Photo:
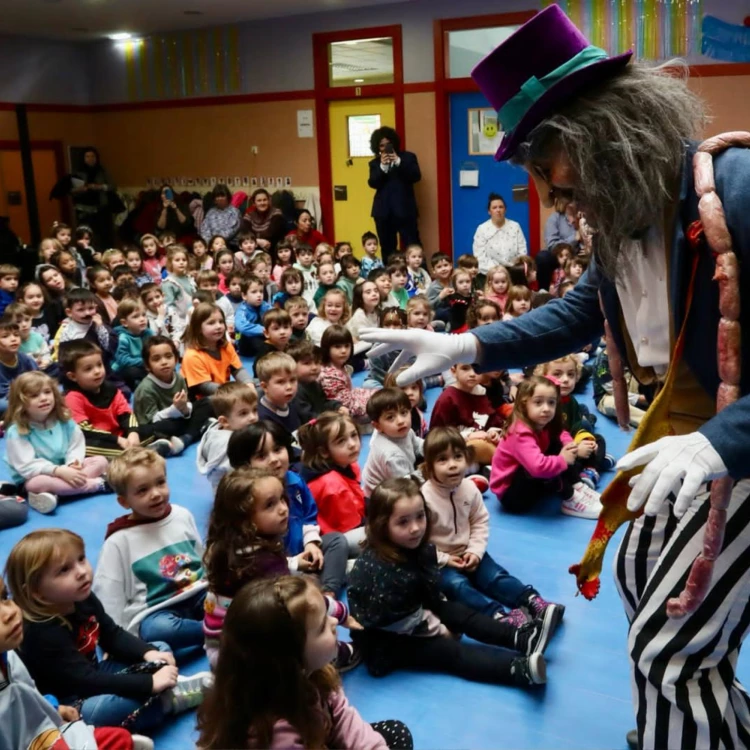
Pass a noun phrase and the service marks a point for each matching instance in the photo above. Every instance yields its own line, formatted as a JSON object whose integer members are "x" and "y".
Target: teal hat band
{"x": 513, "y": 111}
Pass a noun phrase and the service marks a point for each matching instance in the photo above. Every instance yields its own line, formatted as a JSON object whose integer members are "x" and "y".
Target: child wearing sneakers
{"x": 45, "y": 448}
{"x": 101, "y": 411}
{"x": 149, "y": 577}
{"x": 394, "y": 448}
{"x": 536, "y": 455}
{"x": 459, "y": 531}
{"x": 29, "y": 719}
{"x": 578, "y": 421}
{"x": 235, "y": 406}
{"x": 137, "y": 686}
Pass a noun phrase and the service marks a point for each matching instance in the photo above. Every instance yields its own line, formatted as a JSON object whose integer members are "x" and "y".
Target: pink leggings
{"x": 94, "y": 468}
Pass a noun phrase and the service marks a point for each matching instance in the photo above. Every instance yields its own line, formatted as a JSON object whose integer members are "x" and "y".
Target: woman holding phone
{"x": 392, "y": 175}
{"x": 172, "y": 216}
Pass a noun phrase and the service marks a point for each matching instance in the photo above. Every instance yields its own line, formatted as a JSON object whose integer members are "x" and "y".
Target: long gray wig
{"x": 626, "y": 140}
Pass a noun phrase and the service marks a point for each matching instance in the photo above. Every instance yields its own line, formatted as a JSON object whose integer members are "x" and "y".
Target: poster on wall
{"x": 485, "y": 135}
{"x": 305, "y": 128}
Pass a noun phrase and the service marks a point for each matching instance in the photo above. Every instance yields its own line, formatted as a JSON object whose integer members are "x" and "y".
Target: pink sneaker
{"x": 516, "y": 617}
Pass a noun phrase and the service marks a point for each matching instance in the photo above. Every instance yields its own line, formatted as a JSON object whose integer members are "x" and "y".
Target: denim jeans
{"x": 179, "y": 626}
{"x": 485, "y": 589}
{"x": 114, "y": 710}
{"x": 335, "y": 550}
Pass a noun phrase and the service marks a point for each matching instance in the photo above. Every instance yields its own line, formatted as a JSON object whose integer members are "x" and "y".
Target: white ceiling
{"x": 67, "y": 19}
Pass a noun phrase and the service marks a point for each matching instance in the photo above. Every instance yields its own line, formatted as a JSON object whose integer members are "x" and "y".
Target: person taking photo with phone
{"x": 172, "y": 216}
{"x": 392, "y": 175}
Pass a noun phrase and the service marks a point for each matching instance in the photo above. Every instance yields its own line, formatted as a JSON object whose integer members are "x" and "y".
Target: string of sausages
{"x": 729, "y": 341}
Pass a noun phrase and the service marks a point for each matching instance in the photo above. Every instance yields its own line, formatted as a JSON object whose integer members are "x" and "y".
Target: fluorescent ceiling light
{"x": 120, "y": 36}
{"x": 359, "y": 80}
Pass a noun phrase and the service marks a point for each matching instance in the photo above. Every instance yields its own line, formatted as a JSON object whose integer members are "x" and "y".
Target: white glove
{"x": 435, "y": 352}
{"x": 690, "y": 458}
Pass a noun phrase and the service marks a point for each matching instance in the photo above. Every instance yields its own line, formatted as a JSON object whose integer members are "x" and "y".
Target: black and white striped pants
{"x": 683, "y": 671}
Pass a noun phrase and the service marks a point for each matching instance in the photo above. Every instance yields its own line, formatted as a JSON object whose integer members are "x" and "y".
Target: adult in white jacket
{"x": 498, "y": 241}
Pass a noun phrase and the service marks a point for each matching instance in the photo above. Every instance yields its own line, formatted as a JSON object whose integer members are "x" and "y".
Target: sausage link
{"x": 719, "y": 143}
{"x": 727, "y": 274}
{"x": 703, "y": 168}
{"x": 714, "y": 223}
{"x": 728, "y": 347}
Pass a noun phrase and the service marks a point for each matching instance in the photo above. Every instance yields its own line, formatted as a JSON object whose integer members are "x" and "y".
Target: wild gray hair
{"x": 626, "y": 140}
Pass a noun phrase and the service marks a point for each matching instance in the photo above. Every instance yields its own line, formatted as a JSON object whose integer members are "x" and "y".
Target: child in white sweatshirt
{"x": 394, "y": 448}
{"x": 460, "y": 530}
{"x": 150, "y": 573}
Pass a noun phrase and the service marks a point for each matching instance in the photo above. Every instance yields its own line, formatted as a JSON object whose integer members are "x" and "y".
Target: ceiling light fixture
{"x": 359, "y": 80}
{"x": 120, "y": 36}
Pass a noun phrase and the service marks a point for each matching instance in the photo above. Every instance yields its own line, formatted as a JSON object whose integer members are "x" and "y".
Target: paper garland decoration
{"x": 653, "y": 29}
{"x": 725, "y": 41}
{"x": 183, "y": 64}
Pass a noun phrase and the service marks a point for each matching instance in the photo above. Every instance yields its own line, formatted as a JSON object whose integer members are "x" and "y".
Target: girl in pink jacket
{"x": 285, "y": 694}
{"x": 537, "y": 456}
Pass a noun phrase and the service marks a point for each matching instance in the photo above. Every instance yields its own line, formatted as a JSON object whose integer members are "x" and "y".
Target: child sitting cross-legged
{"x": 101, "y": 411}
{"x": 394, "y": 449}
{"x": 330, "y": 452}
{"x": 248, "y": 320}
{"x": 138, "y": 686}
{"x": 297, "y": 627}
{"x": 29, "y": 719}
{"x": 310, "y": 401}
{"x": 277, "y": 373}
{"x": 267, "y": 446}
{"x": 277, "y": 330}
{"x": 45, "y": 448}
{"x": 132, "y": 333}
{"x": 394, "y": 594}
{"x": 178, "y": 288}
{"x": 161, "y": 398}
{"x": 537, "y": 455}
{"x": 149, "y": 577}
{"x": 460, "y": 529}
{"x": 336, "y": 349}
{"x": 245, "y": 542}
{"x": 465, "y": 405}
{"x": 235, "y": 406}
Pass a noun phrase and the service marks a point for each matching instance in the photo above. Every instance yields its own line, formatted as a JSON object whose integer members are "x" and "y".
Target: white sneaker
{"x": 42, "y": 502}
{"x": 177, "y": 446}
{"x": 188, "y": 692}
{"x": 584, "y": 503}
{"x": 142, "y": 743}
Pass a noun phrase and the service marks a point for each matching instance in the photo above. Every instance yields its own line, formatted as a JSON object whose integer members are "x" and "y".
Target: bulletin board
{"x": 484, "y": 133}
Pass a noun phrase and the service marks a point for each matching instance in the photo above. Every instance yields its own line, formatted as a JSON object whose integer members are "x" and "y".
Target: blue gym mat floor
{"x": 586, "y": 702}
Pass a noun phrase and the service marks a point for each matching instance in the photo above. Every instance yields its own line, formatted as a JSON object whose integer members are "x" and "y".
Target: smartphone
{"x": 169, "y": 194}
{"x": 389, "y": 149}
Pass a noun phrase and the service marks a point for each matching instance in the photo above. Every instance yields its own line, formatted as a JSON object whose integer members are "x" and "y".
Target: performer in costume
{"x": 664, "y": 284}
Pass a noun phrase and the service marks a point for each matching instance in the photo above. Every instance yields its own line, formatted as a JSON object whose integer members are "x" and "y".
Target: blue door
{"x": 470, "y": 203}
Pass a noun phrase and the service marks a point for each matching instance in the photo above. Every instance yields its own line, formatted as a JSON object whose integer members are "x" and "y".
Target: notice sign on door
{"x": 305, "y": 127}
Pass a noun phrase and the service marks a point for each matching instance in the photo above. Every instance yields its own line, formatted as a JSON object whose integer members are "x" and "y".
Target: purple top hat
{"x": 542, "y": 65}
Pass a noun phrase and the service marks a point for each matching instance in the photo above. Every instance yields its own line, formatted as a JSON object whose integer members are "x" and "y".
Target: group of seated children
{"x": 407, "y": 534}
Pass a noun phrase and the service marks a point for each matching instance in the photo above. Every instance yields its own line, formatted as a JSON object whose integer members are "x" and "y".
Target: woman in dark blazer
{"x": 392, "y": 175}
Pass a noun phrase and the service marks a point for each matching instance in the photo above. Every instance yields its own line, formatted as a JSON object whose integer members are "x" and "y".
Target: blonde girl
{"x": 497, "y": 286}
{"x": 153, "y": 257}
{"x": 536, "y": 455}
{"x": 178, "y": 288}
{"x": 519, "y": 302}
{"x": 45, "y": 449}
{"x": 336, "y": 348}
{"x": 394, "y": 594}
{"x": 333, "y": 309}
{"x": 210, "y": 360}
{"x": 419, "y": 313}
{"x": 250, "y": 707}
{"x": 47, "y": 248}
{"x": 136, "y": 687}
{"x": 330, "y": 468}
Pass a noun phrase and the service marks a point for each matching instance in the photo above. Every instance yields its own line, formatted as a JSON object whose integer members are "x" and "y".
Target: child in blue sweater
{"x": 248, "y": 319}
{"x": 12, "y": 362}
{"x": 266, "y": 445}
{"x": 8, "y": 285}
{"x": 132, "y": 334}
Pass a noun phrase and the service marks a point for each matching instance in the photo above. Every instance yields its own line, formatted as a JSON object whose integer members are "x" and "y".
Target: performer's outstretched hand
{"x": 435, "y": 352}
{"x": 690, "y": 458}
